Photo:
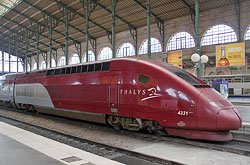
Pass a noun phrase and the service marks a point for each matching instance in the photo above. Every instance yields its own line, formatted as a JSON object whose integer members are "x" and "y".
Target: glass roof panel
{"x": 6, "y": 5}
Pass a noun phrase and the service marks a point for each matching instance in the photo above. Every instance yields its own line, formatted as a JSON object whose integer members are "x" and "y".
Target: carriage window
{"x": 91, "y": 68}
{"x": 98, "y": 67}
{"x": 143, "y": 78}
{"x": 63, "y": 71}
{"x": 73, "y": 70}
{"x": 105, "y": 66}
{"x": 79, "y": 69}
{"x": 68, "y": 70}
{"x": 84, "y": 68}
{"x": 50, "y": 72}
{"x": 58, "y": 71}
{"x": 184, "y": 76}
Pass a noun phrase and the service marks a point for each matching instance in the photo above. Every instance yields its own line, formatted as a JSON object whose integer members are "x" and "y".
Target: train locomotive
{"x": 129, "y": 93}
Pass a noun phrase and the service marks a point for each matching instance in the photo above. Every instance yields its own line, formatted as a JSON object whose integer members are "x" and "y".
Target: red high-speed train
{"x": 129, "y": 93}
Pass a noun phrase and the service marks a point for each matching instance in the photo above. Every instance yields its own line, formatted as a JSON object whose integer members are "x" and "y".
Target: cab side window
{"x": 143, "y": 78}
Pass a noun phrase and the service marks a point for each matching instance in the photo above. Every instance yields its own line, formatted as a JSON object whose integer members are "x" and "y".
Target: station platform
{"x": 25, "y": 148}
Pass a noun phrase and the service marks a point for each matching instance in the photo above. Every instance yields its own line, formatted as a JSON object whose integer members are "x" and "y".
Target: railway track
{"x": 107, "y": 151}
{"x": 237, "y": 145}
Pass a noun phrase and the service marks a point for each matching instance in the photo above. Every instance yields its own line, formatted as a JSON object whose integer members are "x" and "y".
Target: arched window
{"x": 53, "y": 63}
{"x": 219, "y": 34}
{"x": 28, "y": 68}
{"x": 126, "y": 50}
{"x": 211, "y": 73}
{"x": 91, "y": 56}
{"x": 20, "y": 65}
{"x": 181, "y": 40}
{"x": 105, "y": 53}
{"x": 247, "y": 35}
{"x": 34, "y": 67}
{"x": 75, "y": 59}
{"x": 155, "y": 46}
{"x": 62, "y": 61}
{"x": 43, "y": 65}
{"x": 220, "y": 73}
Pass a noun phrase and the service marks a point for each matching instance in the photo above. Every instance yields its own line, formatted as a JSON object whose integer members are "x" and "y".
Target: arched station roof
{"x": 28, "y": 22}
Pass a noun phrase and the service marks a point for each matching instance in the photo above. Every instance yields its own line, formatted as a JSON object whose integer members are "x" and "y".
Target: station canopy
{"x": 20, "y": 16}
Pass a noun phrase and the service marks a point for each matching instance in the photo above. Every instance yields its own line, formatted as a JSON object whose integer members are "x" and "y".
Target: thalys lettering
{"x": 132, "y": 92}
{"x": 149, "y": 93}
{"x": 166, "y": 100}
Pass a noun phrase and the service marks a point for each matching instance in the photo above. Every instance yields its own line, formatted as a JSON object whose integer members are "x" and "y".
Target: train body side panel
{"x": 7, "y": 88}
{"x": 164, "y": 97}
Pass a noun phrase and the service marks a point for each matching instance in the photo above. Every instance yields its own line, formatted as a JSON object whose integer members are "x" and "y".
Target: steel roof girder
{"x": 45, "y": 13}
{"x": 5, "y": 38}
{"x": 19, "y": 38}
{"x": 91, "y": 6}
{"x": 191, "y": 10}
{"x": 27, "y": 17}
{"x": 81, "y": 15}
{"x": 145, "y": 8}
{"x": 22, "y": 26}
{"x": 133, "y": 33}
{"x": 120, "y": 18}
{"x": 238, "y": 16}
{"x": 21, "y": 34}
{"x": 159, "y": 21}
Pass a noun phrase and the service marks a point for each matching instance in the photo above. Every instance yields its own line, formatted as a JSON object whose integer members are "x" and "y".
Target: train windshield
{"x": 182, "y": 74}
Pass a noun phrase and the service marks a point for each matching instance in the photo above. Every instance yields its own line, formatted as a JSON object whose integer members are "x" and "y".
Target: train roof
{"x": 122, "y": 63}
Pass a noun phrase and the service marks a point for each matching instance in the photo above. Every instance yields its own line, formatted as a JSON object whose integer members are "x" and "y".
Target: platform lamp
{"x": 196, "y": 58}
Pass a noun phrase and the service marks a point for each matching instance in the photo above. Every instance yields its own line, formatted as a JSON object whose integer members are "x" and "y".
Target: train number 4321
{"x": 182, "y": 113}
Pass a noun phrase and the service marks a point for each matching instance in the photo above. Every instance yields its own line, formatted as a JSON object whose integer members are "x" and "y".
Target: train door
{"x": 114, "y": 95}
{"x": 114, "y": 98}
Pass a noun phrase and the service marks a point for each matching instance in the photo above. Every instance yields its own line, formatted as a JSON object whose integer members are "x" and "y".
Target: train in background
{"x": 238, "y": 85}
{"x": 129, "y": 93}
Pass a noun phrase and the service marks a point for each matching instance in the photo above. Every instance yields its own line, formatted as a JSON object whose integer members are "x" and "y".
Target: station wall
{"x": 224, "y": 15}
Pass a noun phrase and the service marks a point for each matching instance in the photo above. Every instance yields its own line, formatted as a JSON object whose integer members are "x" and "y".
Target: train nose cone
{"x": 228, "y": 120}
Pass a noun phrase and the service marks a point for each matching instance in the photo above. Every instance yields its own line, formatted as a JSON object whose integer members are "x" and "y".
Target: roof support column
{"x": 26, "y": 52}
{"x": 133, "y": 33}
{"x": 160, "y": 25}
{"x": 44, "y": 55}
{"x": 197, "y": 34}
{"x": 88, "y": 7}
{"x": 54, "y": 54}
{"x": 237, "y": 12}
{"x": 16, "y": 46}
{"x": 50, "y": 42}
{"x": 87, "y": 29}
{"x": 2, "y": 59}
{"x": 37, "y": 46}
{"x": 113, "y": 6}
{"x": 9, "y": 46}
{"x": 79, "y": 51}
{"x": 66, "y": 51}
{"x": 93, "y": 44}
{"x": 149, "y": 29}
{"x": 51, "y": 23}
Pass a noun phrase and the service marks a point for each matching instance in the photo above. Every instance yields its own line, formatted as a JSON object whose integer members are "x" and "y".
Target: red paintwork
{"x": 89, "y": 92}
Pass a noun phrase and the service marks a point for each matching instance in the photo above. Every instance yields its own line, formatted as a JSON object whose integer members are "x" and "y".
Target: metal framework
{"x": 43, "y": 27}
{"x": 237, "y": 12}
{"x": 197, "y": 34}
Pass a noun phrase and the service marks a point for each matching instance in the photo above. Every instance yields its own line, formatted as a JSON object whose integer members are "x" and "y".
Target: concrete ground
{"x": 192, "y": 155}
{"x": 13, "y": 153}
{"x": 244, "y": 112}
{"x": 20, "y": 147}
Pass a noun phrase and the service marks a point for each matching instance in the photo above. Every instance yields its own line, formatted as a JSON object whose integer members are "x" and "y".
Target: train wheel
{"x": 157, "y": 129}
{"x": 117, "y": 126}
{"x": 115, "y": 122}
